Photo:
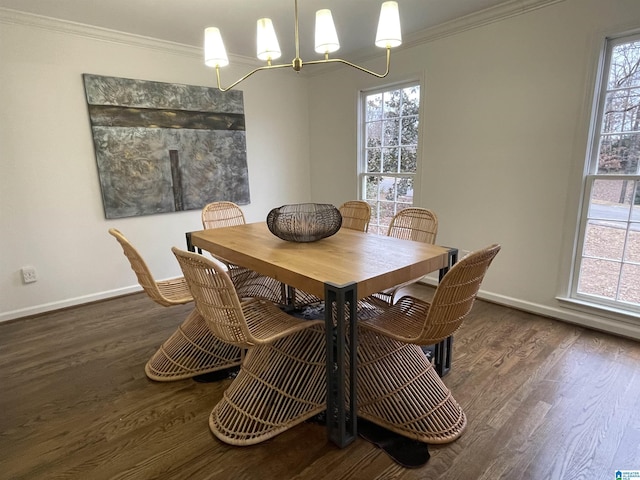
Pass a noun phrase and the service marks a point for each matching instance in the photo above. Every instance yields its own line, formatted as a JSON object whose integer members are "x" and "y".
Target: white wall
{"x": 51, "y": 214}
{"x": 506, "y": 113}
{"x": 505, "y": 119}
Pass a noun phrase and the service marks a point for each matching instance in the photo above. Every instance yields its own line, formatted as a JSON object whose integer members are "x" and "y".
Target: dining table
{"x": 341, "y": 270}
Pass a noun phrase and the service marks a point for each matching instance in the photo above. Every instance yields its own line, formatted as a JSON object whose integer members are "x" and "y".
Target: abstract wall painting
{"x": 163, "y": 147}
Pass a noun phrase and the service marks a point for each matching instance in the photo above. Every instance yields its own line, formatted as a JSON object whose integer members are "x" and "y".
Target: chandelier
{"x": 326, "y": 42}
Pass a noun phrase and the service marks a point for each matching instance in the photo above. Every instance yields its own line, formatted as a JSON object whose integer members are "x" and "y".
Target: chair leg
{"x": 192, "y": 350}
{"x": 399, "y": 389}
{"x": 279, "y": 386}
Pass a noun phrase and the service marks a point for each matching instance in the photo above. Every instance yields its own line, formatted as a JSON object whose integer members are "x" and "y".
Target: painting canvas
{"x": 164, "y": 147}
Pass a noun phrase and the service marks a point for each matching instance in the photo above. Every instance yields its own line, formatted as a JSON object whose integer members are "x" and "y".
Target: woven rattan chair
{"x": 248, "y": 283}
{"x": 398, "y": 387}
{"x": 281, "y": 381}
{"x": 413, "y": 223}
{"x": 222, "y": 214}
{"x": 166, "y": 292}
{"x": 356, "y": 215}
{"x": 191, "y": 350}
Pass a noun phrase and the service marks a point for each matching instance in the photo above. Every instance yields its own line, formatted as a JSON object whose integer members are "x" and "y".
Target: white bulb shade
{"x": 389, "y": 34}
{"x": 326, "y": 36}
{"x": 268, "y": 46}
{"x": 214, "y": 53}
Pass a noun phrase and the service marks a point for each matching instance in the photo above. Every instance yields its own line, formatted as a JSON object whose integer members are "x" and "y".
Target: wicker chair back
{"x": 414, "y": 223}
{"x": 166, "y": 292}
{"x": 356, "y": 215}
{"x": 222, "y": 214}
{"x": 215, "y": 296}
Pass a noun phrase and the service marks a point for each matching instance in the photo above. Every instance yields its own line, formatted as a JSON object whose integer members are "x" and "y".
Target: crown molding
{"x": 489, "y": 15}
{"x": 15, "y": 17}
{"x": 484, "y": 17}
{"x": 468, "y": 22}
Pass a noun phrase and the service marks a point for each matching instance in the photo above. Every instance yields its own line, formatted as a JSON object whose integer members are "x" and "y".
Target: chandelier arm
{"x": 362, "y": 69}
{"x": 265, "y": 67}
{"x": 392, "y": 39}
{"x": 296, "y": 36}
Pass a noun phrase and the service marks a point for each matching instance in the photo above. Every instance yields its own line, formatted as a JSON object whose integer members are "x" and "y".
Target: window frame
{"x": 591, "y": 175}
{"x": 361, "y": 173}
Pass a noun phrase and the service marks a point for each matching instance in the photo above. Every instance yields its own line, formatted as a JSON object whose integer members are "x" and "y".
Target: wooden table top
{"x": 374, "y": 262}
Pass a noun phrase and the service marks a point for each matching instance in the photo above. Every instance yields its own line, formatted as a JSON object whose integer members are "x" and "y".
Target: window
{"x": 607, "y": 270}
{"x": 389, "y": 153}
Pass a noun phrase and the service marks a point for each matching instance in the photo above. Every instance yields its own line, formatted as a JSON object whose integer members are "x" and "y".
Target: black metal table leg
{"x": 190, "y": 245}
{"x": 444, "y": 350}
{"x": 340, "y": 304}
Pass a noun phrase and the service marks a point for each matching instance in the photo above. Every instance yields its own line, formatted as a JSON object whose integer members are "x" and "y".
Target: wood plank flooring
{"x": 544, "y": 400}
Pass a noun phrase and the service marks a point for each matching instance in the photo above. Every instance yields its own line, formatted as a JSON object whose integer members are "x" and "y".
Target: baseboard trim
{"x": 70, "y": 302}
{"x": 616, "y": 326}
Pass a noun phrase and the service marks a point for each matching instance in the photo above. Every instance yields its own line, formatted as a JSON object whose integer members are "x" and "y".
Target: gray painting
{"x": 164, "y": 147}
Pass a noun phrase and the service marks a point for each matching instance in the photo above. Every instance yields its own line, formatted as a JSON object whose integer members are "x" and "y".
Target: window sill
{"x": 610, "y": 312}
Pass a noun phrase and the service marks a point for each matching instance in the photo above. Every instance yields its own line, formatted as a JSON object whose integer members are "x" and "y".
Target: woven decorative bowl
{"x": 304, "y": 222}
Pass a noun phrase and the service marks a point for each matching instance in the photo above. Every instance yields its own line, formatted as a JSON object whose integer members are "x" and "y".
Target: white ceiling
{"x": 183, "y": 21}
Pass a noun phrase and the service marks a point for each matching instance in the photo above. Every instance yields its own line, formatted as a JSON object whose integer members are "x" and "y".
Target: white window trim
{"x": 573, "y": 299}
{"x": 361, "y": 147}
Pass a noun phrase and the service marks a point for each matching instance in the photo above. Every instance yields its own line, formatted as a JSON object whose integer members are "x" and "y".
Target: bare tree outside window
{"x": 387, "y": 171}
{"x": 608, "y": 264}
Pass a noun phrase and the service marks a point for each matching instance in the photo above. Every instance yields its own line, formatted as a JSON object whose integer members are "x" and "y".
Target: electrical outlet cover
{"x": 29, "y": 274}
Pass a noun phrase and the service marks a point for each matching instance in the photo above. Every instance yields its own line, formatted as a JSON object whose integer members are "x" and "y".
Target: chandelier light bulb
{"x": 389, "y": 35}
{"x": 268, "y": 46}
{"x": 326, "y": 35}
{"x": 215, "y": 54}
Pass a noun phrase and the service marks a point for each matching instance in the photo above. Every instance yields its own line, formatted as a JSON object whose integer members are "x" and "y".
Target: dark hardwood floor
{"x": 544, "y": 400}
